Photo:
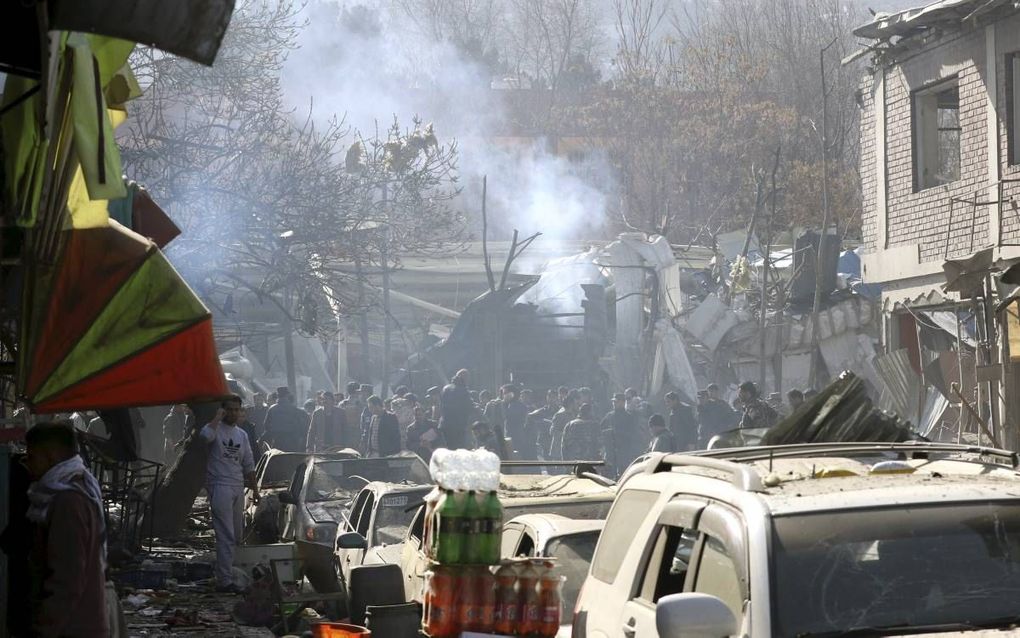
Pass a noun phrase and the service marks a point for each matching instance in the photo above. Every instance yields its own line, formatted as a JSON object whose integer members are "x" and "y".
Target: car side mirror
{"x": 287, "y": 498}
{"x": 693, "y": 614}
{"x": 351, "y": 540}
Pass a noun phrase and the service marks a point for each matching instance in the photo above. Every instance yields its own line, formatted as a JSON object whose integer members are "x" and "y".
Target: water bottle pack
{"x": 464, "y": 518}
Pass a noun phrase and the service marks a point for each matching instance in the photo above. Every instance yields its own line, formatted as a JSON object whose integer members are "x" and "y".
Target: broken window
{"x": 1013, "y": 106}
{"x": 936, "y": 134}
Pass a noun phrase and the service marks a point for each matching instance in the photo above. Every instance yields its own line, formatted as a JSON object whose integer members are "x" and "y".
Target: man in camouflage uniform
{"x": 581, "y": 437}
{"x": 757, "y": 413}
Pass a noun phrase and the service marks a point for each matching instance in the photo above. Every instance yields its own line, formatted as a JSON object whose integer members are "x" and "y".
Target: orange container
{"x": 338, "y": 630}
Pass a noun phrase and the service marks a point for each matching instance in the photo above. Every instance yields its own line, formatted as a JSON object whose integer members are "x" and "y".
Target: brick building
{"x": 940, "y": 169}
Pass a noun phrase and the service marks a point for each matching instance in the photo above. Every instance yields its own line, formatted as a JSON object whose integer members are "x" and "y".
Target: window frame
{"x": 1012, "y": 67}
{"x": 919, "y": 131}
{"x": 601, "y": 565}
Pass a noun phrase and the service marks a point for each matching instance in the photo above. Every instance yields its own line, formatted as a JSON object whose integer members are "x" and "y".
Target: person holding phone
{"x": 229, "y": 467}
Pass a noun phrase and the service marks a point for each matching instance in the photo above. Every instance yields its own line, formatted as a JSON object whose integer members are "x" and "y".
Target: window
{"x": 668, "y": 565}
{"x": 717, "y": 575}
{"x": 628, "y": 512}
{"x": 1013, "y": 106}
{"x": 936, "y": 135}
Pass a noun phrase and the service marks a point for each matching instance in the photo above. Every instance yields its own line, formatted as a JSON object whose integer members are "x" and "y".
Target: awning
{"x": 114, "y": 325}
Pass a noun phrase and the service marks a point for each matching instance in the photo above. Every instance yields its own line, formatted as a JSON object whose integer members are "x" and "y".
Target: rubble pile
{"x": 841, "y": 412}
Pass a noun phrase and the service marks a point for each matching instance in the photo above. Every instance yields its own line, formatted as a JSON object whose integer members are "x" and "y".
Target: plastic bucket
{"x": 338, "y": 630}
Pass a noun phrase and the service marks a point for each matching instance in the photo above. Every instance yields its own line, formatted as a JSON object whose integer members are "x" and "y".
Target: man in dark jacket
{"x": 286, "y": 426}
{"x": 383, "y": 436}
{"x": 69, "y": 556}
{"x": 514, "y": 416}
{"x": 662, "y": 438}
{"x": 455, "y": 411}
{"x": 565, "y": 415}
{"x": 423, "y": 437}
{"x": 622, "y": 439}
{"x": 328, "y": 427}
{"x": 682, "y": 423}
{"x": 757, "y": 413}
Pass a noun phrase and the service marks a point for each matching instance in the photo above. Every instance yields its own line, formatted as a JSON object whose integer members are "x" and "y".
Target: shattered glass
{"x": 851, "y": 571}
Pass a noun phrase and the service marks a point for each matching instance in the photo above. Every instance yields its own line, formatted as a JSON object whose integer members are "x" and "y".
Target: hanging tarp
{"x": 118, "y": 327}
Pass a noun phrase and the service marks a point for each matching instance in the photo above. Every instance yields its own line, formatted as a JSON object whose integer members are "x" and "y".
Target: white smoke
{"x": 372, "y": 65}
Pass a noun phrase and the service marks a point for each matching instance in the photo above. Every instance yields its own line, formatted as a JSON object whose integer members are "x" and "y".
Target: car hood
{"x": 327, "y": 511}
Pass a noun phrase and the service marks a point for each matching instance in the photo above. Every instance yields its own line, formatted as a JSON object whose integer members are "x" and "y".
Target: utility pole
{"x": 821, "y": 254}
{"x": 384, "y": 258}
{"x": 763, "y": 310}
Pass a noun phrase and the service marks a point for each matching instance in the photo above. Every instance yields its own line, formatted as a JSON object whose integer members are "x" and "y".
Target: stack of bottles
{"x": 521, "y": 597}
{"x": 464, "y": 518}
{"x": 468, "y": 588}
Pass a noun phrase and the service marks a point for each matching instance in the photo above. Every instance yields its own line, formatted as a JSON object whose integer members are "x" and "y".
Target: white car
{"x": 569, "y": 541}
{"x": 818, "y": 540}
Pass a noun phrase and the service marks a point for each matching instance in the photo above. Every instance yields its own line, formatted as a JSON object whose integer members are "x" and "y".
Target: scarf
{"x": 64, "y": 476}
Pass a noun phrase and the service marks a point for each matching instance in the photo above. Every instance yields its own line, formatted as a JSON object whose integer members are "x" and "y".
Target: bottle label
{"x": 471, "y": 525}
{"x": 450, "y": 524}
{"x": 550, "y": 614}
{"x": 488, "y": 526}
{"x": 531, "y": 613}
{"x": 507, "y": 612}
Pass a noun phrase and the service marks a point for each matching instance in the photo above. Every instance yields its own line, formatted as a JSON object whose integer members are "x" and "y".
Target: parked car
{"x": 319, "y": 499}
{"x": 273, "y": 474}
{"x": 377, "y": 525}
{"x": 570, "y": 542}
{"x": 809, "y": 540}
{"x": 583, "y": 497}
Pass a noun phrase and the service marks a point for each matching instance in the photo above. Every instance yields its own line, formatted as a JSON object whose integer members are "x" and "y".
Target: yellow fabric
{"x": 85, "y": 212}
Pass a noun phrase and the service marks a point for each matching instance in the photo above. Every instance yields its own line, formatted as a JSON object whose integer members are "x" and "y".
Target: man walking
{"x": 537, "y": 427}
{"x": 455, "y": 410}
{"x": 286, "y": 426}
{"x": 383, "y": 436}
{"x": 757, "y": 413}
{"x": 69, "y": 557}
{"x": 228, "y": 468}
{"x": 515, "y": 414}
{"x": 682, "y": 423}
{"x": 565, "y": 415}
{"x": 328, "y": 426}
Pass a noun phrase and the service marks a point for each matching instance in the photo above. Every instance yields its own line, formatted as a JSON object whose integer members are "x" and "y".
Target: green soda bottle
{"x": 450, "y": 539}
{"x": 492, "y": 529}
{"x": 472, "y": 527}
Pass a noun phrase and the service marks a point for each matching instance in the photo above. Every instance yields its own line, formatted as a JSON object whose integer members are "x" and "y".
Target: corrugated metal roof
{"x": 910, "y": 21}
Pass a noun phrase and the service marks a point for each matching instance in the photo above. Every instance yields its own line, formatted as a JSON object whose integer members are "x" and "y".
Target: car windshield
{"x": 906, "y": 566}
{"x": 394, "y": 515}
{"x": 332, "y": 480}
{"x": 280, "y": 468}
{"x": 573, "y": 556}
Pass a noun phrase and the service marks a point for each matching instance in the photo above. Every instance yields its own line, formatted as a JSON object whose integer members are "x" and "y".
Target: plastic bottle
{"x": 440, "y": 603}
{"x": 550, "y": 600}
{"x": 527, "y": 597}
{"x": 480, "y": 616}
{"x": 450, "y": 537}
{"x": 469, "y": 603}
{"x": 491, "y": 534}
{"x": 507, "y": 605}
{"x": 471, "y": 526}
{"x": 429, "y": 536}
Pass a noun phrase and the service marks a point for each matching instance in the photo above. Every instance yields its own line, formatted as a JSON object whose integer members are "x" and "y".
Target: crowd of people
{"x": 558, "y": 424}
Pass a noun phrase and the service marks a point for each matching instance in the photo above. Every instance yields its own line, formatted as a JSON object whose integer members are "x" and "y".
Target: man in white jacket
{"x": 229, "y": 467}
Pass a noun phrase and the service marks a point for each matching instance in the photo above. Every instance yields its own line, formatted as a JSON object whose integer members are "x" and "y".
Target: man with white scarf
{"x": 229, "y": 467}
{"x": 69, "y": 557}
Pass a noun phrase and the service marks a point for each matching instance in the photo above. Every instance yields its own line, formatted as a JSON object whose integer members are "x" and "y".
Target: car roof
{"x": 862, "y": 475}
{"x": 549, "y": 526}
{"x": 556, "y": 486}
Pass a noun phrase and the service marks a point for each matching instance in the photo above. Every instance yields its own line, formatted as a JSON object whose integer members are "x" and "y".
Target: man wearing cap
{"x": 286, "y": 426}
{"x": 455, "y": 410}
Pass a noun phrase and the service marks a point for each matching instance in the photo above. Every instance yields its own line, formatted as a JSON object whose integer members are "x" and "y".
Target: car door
{"x": 361, "y": 519}
{"x": 289, "y": 518}
{"x": 666, "y": 570}
{"x": 412, "y": 558}
{"x": 722, "y": 563}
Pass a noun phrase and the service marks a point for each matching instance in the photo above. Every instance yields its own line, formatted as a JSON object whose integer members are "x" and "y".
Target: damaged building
{"x": 940, "y": 167}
